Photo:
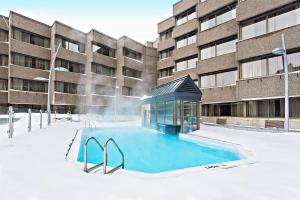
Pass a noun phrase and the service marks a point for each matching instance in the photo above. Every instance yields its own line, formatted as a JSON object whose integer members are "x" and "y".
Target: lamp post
{"x": 52, "y": 68}
{"x": 115, "y": 102}
{"x": 282, "y": 52}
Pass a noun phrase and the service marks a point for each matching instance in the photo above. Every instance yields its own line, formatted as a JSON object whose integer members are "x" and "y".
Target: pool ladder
{"x": 105, "y": 156}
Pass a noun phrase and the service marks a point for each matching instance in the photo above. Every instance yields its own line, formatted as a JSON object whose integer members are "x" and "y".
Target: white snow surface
{"x": 33, "y": 167}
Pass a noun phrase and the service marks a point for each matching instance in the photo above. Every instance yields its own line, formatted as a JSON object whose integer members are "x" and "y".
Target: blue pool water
{"x": 149, "y": 151}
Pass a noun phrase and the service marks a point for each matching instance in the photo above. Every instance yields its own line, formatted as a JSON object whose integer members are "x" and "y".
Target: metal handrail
{"x": 86, "y": 169}
{"x": 105, "y": 171}
{"x": 71, "y": 144}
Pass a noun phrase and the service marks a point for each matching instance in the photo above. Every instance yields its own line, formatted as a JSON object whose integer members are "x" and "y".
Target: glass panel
{"x": 227, "y": 78}
{"x": 226, "y": 17}
{"x": 284, "y": 20}
{"x": 169, "y": 112}
{"x": 275, "y": 65}
{"x": 161, "y": 113}
{"x": 180, "y": 66}
{"x": 254, "y": 30}
{"x": 192, "y": 63}
{"x": 208, "y": 81}
{"x": 208, "y": 52}
{"x": 208, "y": 24}
{"x": 294, "y": 62}
{"x": 227, "y": 47}
{"x": 254, "y": 69}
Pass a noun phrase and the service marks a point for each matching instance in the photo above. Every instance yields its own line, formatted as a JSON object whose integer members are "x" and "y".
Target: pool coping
{"x": 246, "y": 154}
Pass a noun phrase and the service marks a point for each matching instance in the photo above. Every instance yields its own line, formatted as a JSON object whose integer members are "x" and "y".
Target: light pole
{"x": 282, "y": 52}
{"x": 52, "y": 68}
{"x": 49, "y": 84}
{"x": 115, "y": 106}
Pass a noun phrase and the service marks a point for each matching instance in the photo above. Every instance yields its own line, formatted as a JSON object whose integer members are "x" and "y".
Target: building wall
{"x": 62, "y": 100}
{"x": 244, "y": 91}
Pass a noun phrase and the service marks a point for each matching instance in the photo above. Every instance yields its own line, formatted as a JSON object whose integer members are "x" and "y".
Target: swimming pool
{"x": 149, "y": 151}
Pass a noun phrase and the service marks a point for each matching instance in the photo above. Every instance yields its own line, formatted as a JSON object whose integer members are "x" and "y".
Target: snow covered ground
{"x": 33, "y": 167}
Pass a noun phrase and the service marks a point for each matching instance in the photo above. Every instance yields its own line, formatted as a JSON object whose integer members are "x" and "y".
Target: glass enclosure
{"x": 170, "y": 113}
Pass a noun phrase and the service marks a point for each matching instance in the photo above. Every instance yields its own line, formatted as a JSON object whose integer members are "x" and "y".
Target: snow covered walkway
{"x": 32, "y": 167}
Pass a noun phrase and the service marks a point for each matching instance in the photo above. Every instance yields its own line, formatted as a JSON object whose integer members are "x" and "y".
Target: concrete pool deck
{"x": 33, "y": 167}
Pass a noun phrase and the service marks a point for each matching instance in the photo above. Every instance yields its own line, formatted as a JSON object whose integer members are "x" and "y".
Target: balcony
{"x": 23, "y": 97}
{"x": 69, "y": 77}
{"x": 219, "y": 95}
{"x": 132, "y": 82}
{"x": 218, "y": 63}
{"x": 264, "y": 44}
{"x": 104, "y": 60}
{"x": 131, "y": 63}
{"x": 186, "y": 51}
{"x": 30, "y": 49}
{"x": 69, "y": 99}
{"x": 72, "y": 56}
{"x": 183, "y": 5}
{"x": 251, "y": 8}
{"x": 185, "y": 28}
{"x": 27, "y": 73}
{"x": 68, "y": 32}
{"x": 221, "y": 31}
{"x": 103, "y": 80}
{"x": 266, "y": 87}
{"x": 98, "y": 100}
{"x": 30, "y": 25}
{"x": 166, "y": 44}
{"x": 166, "y": 24}
{"x": 210, "y": 6}
{"x": 165, "y": 63}
{"x": 130, "y": 44}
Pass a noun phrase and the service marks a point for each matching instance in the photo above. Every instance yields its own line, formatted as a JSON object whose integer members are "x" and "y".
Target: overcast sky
{"x": 135, "y": 18}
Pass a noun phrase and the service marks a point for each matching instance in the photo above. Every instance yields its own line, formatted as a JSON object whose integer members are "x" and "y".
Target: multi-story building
{"x": 93, "y": 71}
{"x": 226, "y": 46}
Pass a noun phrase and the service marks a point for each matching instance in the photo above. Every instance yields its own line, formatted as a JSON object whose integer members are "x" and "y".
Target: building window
{"x": 31, "y": 62}
{"x": 3, "y": 60}
{"x": 69, "y": 88}
{"x": 166, "y": 72}
{"x": 3, "y": 35}
{"x": 219, "y": 79}
{"x": 103, "y": 70}
{"x": 221, "y": 16}
{"x": 269, "y": 66}
{"x": 29, "y": 85}
{"x": 3, "y": 84}
{"x": 71, "y": 66}
{"x": 186, "y": 16}
{"x": 104, "y": 50}
{"x": 186, "y": 40}
{"x": 132, "y": 54}
{"x": 132, "y": 73}
{"x": 31, "y": 38}
{"x": 166, "y": 53}
{"x": 103, "y": 90}
{"x": 186, "y": 64}
{"x": 70, "y": 45}
{"x": 219, "y": 48}
{"x": 166, "y": 35}
{"x": 277, "y": 20}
